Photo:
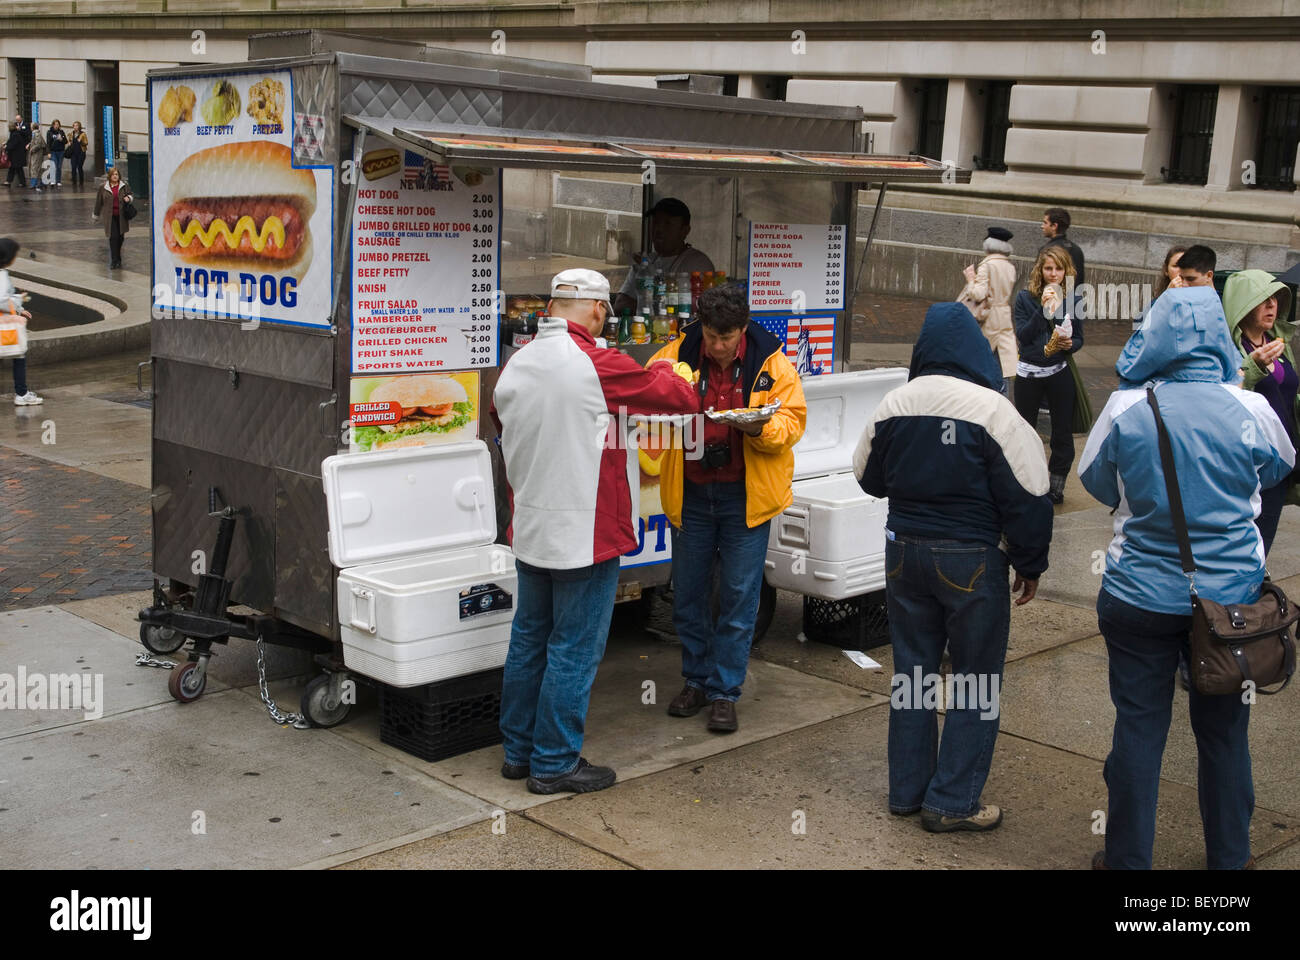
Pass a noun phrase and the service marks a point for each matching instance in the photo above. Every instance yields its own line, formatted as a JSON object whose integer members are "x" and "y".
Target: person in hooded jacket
{"x": 962, "y": 470}
{"x": 1256, "y": 307}
{"x": 1228, "y": 446}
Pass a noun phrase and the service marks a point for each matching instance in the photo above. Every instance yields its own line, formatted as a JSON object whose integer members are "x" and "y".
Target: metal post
{"x": 866, "y": 252}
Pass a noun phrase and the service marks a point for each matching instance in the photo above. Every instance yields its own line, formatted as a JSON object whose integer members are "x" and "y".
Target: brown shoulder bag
{"x": 1237, "y": 644}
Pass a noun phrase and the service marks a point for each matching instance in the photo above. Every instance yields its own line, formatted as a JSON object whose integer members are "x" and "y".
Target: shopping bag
{"x": 13, "y": 336}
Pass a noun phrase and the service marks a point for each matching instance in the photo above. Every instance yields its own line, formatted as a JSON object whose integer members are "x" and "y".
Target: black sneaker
{"x": 513, "y": 771}
{"x": 584, "y": 779}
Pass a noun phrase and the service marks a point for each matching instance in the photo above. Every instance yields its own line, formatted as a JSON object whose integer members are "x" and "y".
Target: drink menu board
{"x": 425, "y": 262}
{"x": 796, "y": 266}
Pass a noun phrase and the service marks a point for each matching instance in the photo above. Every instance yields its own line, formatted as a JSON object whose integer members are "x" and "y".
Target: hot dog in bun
{"x": 241, "y": 206}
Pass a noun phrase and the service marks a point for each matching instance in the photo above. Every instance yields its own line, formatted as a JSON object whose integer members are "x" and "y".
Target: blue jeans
{"x": 558, "y": 637}
{"x": 941, "y": 593}
{"x": 20, "y": 376}
{"x": 715, "y": 656}
{"x": 1143, "y": 649}
{"x": 58, "y": 166}
{"x": 1271, "y": 503}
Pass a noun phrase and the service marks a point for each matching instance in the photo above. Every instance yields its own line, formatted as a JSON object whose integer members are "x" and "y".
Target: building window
{"x": 1189, "y": 155}
{"x": 24, "y": 72}
{"x": 934, "y": 104}
{"x": 1279, "y": 133}
{"x": 997, "y": 121}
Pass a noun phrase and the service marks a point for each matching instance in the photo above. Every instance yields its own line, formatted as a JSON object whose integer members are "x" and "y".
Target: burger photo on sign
{"x": 240, "y": 207}
{"x": 434, "y": 409}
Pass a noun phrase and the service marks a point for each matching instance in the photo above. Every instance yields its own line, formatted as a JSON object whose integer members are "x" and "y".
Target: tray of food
{"x": 745, "y": 416}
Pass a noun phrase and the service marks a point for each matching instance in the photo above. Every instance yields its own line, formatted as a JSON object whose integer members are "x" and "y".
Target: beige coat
{"x": 994, "y": 278}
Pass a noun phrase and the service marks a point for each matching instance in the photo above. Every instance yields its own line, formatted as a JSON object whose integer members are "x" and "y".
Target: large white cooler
{"x": 830, "y": 542}
{"x": 423, "y": 592}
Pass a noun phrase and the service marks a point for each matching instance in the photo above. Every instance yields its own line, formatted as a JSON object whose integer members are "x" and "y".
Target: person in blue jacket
{"x": 962, "y": 470}
{"x": 1228, "y": 446}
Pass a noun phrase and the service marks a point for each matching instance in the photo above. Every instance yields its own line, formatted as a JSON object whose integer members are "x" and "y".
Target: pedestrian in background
{"x": 115, "y": 195}
{"x": 988, "y": 296}
{"x": 38, "y": 151}
{"x": 1048, "y": 330}
{"x": 962, "y": 471}
{"x": 57, "y": 139}
{"x": 1056, "y": 221}
{"x": 1257, "y": 308}
{"x": 16, "y": 151}
{"x": 722, "y": 503}
{"x": 1166, "y": 278}
{"x": 11, "y": 311}
{"x": 77, "y": 144}
{"x": 1144, "y": 607}
{"x": 560, "y": 404}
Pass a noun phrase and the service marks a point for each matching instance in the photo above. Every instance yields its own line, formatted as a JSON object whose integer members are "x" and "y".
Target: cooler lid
{"x": 839, "y": 406}
{"x": 402, "y": 503}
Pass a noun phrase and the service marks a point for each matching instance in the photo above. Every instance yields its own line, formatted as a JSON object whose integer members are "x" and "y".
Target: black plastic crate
{"x": 854, "y": 623}
{"x": 443, "y": 719}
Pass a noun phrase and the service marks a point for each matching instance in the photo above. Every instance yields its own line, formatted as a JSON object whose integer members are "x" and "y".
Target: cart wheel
{"x": 183, "y": 685}
{"x": 313, "y": 704}
{"x": 766, "y": 610}
{"x": 160, "y": 639}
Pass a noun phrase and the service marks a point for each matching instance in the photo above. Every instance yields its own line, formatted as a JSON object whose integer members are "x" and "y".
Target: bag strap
{"x": 1175, "y": 495}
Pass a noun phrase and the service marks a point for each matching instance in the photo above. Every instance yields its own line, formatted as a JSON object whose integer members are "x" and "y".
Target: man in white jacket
{"x": 572, "y": 476}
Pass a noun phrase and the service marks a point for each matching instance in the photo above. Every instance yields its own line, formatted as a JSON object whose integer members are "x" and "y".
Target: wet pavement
{"x": 127, "y": 787}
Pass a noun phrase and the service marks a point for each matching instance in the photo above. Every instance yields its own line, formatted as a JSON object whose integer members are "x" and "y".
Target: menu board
{"x": 425, "y": 264}
{"x": 239, "y": 231}
{"x": 796, "y": 266}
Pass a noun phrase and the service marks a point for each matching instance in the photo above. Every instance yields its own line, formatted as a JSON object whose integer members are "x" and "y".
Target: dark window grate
{"x": 1279, "y": 134}
{"x": 1189, "y": 156}
{"x": 934, "y": 104}
{"x": 25, "y": 85}
{"x": 997, "y": 121}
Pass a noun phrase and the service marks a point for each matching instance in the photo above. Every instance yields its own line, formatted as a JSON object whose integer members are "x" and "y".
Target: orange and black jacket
{"x": 767, "y": 374}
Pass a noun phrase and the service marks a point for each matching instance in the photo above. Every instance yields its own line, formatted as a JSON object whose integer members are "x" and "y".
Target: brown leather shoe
{"x": 688, "y": 703}
{"x": 1099, "y": 860}
{"x": 722, "y": 716}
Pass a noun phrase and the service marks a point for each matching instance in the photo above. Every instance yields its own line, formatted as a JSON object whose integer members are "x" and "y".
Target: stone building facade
{"x": 1175, "y": 121}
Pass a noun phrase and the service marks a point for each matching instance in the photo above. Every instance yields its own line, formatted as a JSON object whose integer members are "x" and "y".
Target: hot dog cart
{"x": 344, "y": 231}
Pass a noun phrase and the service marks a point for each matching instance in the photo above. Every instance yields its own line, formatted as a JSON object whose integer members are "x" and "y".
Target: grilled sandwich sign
{"x": 239, "y": 231}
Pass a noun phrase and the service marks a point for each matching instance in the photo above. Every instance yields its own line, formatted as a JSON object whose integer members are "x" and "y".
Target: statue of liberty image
{"x": 804, "y": 362}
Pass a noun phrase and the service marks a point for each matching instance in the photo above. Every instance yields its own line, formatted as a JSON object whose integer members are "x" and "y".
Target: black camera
{"x": 716, "y": 455}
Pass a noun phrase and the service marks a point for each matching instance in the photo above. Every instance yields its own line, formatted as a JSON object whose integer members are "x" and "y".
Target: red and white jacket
{"x": 570, "y": 468}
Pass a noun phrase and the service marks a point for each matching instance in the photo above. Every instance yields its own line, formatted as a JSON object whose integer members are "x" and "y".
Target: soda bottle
{"x": 660, "y": 293}
{"x": 625, "y": 327}
{"x": 720, "y": 278}
{"x": 696, "y": 286}
{"x": 644, "y": 281}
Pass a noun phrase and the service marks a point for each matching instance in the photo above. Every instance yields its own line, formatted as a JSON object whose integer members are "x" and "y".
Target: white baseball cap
{"x": 587, "y": 285}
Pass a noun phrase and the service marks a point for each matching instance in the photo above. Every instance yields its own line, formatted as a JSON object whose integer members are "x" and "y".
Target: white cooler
{"x": 423, "y": 592}
{"x": 830, "y": 542}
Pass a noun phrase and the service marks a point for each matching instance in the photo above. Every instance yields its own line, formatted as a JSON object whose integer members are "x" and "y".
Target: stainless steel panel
{"x": 257, "y": 420}
{"x": 304, "y": 577}
{"x": 406, "y": 99}
{"x": 271, "y": 351}
{"x": 181, "y": 525}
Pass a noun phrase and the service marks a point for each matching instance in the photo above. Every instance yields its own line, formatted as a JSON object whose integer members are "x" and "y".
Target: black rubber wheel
{"x": 161, "y": 640}
{"x": 183, "y": 685}
{"x": 313, "y": 704}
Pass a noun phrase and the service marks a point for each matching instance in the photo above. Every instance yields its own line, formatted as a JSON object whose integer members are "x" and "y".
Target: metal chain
{"x": 297, "y": 720}
{"x": 144, "y": 660}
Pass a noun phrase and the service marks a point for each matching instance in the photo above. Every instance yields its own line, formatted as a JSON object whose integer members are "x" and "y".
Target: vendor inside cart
{"x": 670, "y": 224}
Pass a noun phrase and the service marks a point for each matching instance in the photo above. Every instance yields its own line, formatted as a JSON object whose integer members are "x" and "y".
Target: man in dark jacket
{"x": 1056, "y": 221}
{"x": 16, "y": 149}
{"x": 961, "y": 470}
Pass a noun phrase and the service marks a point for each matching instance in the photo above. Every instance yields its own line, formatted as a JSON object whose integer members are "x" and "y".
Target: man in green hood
{"x": 1256, "y": 307}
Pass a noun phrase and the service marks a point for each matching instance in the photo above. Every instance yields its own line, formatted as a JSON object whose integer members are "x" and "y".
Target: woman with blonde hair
{"x": 1048, "y": 330}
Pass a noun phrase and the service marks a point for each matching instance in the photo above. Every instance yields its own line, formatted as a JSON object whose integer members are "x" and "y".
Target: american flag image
{"x": 809, "y": 340}
{"x": 413, "y": 171}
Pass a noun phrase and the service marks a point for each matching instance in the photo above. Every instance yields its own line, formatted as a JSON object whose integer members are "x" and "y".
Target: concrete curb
{"x": 128, "y": 330}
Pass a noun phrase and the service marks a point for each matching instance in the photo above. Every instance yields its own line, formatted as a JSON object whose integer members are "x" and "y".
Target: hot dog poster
{"x": 239, "y": 231}
{"x": 425, "y": 263}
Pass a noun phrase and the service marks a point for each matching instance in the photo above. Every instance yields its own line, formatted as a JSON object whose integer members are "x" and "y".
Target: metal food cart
{"x": 245, "y": 410}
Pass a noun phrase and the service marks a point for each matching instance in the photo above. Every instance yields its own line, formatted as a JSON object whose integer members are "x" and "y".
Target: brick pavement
{"x": 67, "y": 534}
